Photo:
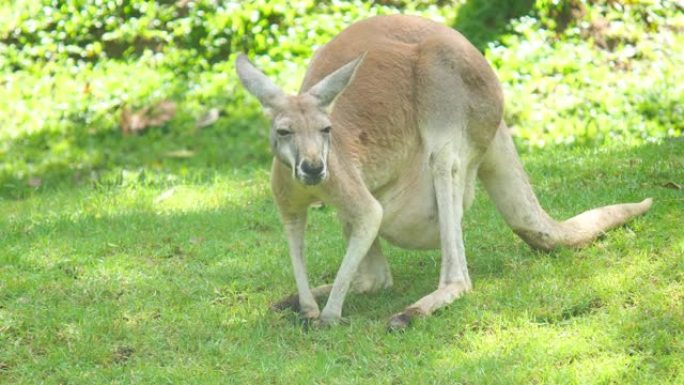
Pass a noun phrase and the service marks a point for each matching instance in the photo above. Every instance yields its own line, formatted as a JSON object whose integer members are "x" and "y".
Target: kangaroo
{"x": 395, "y": 119}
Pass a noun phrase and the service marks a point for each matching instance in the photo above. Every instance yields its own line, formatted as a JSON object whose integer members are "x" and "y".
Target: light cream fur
{"x": 415, "y": 115}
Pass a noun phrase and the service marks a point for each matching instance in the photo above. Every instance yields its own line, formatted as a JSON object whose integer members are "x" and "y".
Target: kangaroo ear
{"x": 332, "y": 85}
{"x": 258, "y": 84}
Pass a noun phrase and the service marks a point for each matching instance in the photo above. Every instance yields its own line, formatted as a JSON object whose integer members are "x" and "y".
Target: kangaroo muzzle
{"x": 311, "y": 172}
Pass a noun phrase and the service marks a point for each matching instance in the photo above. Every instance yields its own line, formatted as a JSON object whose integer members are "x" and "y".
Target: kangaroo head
{"x": 300, "y": 124}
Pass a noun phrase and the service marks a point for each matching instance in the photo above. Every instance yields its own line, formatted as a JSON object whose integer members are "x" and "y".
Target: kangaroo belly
{"x": 410, "y": 217}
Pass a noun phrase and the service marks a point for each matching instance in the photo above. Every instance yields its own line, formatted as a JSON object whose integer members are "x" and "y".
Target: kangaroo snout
{"x": 311, "y": 172}
{"x": 312, "y": 169}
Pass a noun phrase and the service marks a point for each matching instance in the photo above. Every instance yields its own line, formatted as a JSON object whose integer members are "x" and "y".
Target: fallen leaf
{"x": 673, "y": 185}
{"x": 126, "y": 120}
{"x": 34, "y": 181}
{"x": 182, "y": 154}
{"x": 165, "y": 195}
{"x": 209, "y": 118}
{"x": 161, "y": 113}
{"x": 156, "y": 115}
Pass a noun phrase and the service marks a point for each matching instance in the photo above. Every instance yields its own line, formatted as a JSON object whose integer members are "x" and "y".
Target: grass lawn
{"x": 155, "y": 275}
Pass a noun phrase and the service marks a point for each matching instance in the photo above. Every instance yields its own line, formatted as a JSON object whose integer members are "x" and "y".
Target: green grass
{"x": 127, "y": 282}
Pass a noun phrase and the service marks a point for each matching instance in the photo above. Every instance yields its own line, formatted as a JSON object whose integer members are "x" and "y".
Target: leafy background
{"x": 574, "y": 72}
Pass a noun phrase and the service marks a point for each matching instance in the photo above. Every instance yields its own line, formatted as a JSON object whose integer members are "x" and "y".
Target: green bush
{"x": 203, "y": 32}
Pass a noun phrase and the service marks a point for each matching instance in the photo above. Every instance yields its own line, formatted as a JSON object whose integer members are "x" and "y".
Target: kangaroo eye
{"x": 282, "y": 132}
{"x": 326, "y": 130}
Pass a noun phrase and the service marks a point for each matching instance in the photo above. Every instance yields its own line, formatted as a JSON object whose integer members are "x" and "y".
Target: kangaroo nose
{"x": 312, "y": 169}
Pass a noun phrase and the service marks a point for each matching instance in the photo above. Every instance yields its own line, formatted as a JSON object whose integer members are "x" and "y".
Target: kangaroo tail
{"x": 506, "y": 183}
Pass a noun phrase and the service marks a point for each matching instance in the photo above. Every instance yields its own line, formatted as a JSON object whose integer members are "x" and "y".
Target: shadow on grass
{"x": 70, "y": 155}
{"x": 603, "y": 177}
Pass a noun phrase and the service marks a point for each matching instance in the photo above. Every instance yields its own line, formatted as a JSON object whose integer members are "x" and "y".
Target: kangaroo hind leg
{"x": 292, "y": 301}
{"x": 444, "y": 122}
{"x": 373, "y": 273}
{"x": 449, "y": 179}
